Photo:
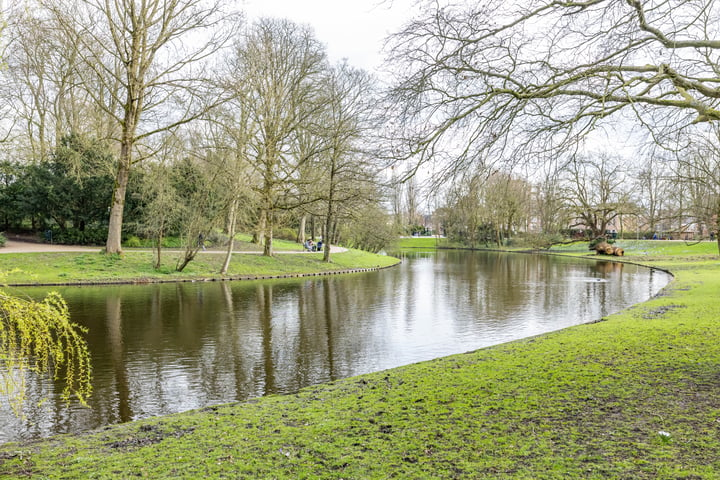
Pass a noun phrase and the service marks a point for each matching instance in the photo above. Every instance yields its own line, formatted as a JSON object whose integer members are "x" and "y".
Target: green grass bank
{"x": 136, "y": 265}
{"x": 425, "y": 243}
{"x": 633, "y": 396}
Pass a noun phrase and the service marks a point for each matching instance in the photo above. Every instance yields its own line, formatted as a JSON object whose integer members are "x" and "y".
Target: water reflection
{"x": 160, "y": 349}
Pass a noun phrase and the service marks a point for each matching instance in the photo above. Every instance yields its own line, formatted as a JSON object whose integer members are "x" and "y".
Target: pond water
{"x": 160, "y": 349}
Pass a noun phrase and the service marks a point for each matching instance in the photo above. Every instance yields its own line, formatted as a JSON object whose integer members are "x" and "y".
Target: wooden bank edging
{"x": 227, "y": 278}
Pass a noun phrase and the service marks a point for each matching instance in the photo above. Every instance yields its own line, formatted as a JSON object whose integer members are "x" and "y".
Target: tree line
{"x": 176, "y": 118}
{"x": 179, "y": 118}
{"x": 523, "y": 90}
{"x": 591, "y": 196}
{"x": 160, "y": 118}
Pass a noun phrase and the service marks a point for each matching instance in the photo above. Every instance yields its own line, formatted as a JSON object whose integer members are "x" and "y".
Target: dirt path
{"x": 18, "y": 246}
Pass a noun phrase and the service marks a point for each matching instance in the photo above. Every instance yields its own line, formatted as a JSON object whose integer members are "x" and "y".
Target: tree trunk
{"x": 717, "y": 225}
{"x": 114, "y": 238}
{"x": 232, "y": 217}
{"x": 335, "y": 238}
{"x": 267, "y": 248}
{"x": 301, "y": 230}
{"x": 158, "y": 248}
{"x": 259, "y": 233}
{"x": 133, "y": 106}
{"x": 189, "y": 256}
{"x": 327, "y": 234}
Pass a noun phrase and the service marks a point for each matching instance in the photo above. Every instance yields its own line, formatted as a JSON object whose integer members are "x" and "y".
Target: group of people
{"x": 310, "y": 246}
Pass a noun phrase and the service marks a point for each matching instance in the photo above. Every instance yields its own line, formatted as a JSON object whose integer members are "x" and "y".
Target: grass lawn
{"x": 425, "y": 243}
{"x": 634, "y": 396}
{"x": 136, "y": 265}
{"x": 650, "y": 249}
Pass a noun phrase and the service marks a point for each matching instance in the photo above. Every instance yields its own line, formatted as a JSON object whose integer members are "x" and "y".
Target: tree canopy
{"x": 490, "y": 80}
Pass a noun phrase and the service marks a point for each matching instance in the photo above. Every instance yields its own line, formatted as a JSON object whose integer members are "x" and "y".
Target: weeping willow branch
{"x": 39, "y": 338}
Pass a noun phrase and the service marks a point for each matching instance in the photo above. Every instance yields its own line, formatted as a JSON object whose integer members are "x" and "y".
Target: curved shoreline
{"x": 630, "y": 397}
{"x": 94, "y": 272}
{"x": 227, "y": 278}
{"x": 20, "y": 247}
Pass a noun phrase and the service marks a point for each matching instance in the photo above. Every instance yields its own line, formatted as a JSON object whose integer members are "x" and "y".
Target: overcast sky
{"x": 356, "y": 29}
{"x": 352, "y": 29}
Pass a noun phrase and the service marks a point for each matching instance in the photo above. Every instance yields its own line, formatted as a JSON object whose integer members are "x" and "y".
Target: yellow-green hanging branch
{"x": 39, "y": 337}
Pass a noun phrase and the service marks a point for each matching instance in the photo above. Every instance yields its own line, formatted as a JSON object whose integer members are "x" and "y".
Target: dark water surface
{"x": 159, "y": 349}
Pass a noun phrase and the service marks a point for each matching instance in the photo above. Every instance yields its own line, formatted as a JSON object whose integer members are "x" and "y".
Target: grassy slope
{"x": 30, "y": 268}
{"x": 425, "y": 242}
{"x": 586, "y": 402}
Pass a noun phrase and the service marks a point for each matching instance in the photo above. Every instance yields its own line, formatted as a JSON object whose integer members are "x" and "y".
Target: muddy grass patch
{"x": 148, "y": 435}
{"x": 659, "y": 312}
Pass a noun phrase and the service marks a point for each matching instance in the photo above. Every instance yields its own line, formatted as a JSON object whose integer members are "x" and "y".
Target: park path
{"x": 20, "y": 246}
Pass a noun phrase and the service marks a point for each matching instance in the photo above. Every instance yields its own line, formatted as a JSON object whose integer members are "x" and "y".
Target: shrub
{"x": 217, "y": 238}
{"x": 133, "y": 242}
{"x": 535, "y": 240}
{"x": 170, "y": 242}
{"x": 2, "y": 240}
{"x": 285, "y": 233}
{"x": 91, "y": 235}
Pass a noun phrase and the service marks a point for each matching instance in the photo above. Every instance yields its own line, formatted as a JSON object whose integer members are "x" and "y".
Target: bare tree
{"x": 308, "y": 183}
{"x": 412, "y": 197}
{"x": 162, "y": 210}
{"x": 229, "y": 134}
{"x": 370, "y": 227}
{"x": 479, "y": 82}
{"x": 654, "y": 188}
{"x": 462, "y": 215}
{"x": 141, "y": 54}
{"x": 27, "y": 81}
{"x": 484, "y": 206}
{"x": 396, "y": 197}
{"x": 281, "y": 64}
{"x": 346, "y": 117}
{"x": 506, "y": 204}
{"x": 42, "y": 81}
{"x": 597, "y": 191}
{"x": 699, "y": 169}
{"x": 203, "y": 200}
{"x": 550, "y": 210}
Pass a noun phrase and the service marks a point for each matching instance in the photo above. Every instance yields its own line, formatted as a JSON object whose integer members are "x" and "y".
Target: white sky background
{"x": 354, "y": 30}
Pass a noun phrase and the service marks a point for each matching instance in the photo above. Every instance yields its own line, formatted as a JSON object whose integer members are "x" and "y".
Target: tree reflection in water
{"x": 160, "y": 349}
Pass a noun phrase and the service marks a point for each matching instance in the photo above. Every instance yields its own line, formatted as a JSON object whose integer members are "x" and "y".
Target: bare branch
{"x": 498, "y": 80}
